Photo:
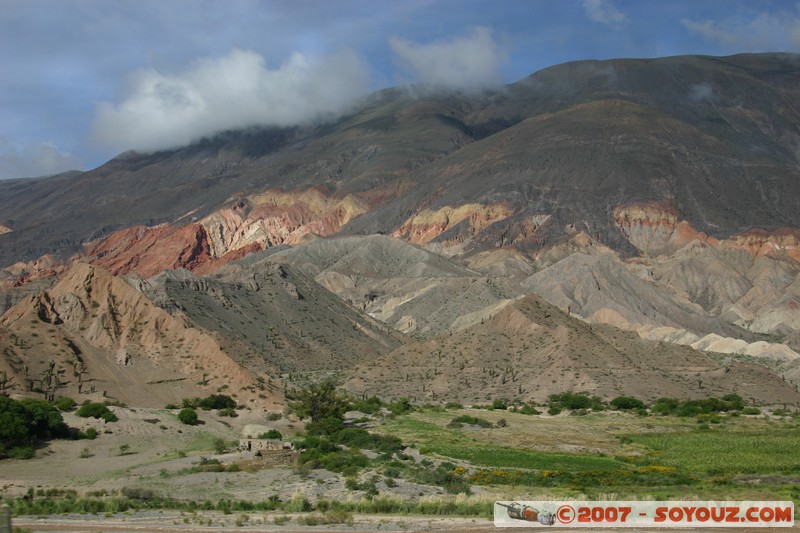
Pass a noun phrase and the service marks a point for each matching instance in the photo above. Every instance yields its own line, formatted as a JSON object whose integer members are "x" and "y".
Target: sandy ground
{"x": 185, "y": 523}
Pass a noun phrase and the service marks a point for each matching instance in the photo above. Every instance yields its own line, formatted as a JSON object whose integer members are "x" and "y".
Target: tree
{"x": 46, "y": 421}
{"x": 14, "y": 424}
{"x": 320, "y": 401}
{"x": 24, "y": 422}
{"x": 324, "y": 406}
{"x": 188, "y": 416}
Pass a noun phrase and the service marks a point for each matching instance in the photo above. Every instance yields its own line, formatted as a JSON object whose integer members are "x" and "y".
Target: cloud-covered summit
{"x": 471, "y": 61}
{"x": 167, "y": 109}
{"x": 163, "y": 110}
{"x": 59, "y": 59}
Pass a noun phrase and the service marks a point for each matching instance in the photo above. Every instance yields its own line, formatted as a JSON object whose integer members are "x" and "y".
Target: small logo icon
{"x": 518, "y": 511}
{"x": 565, "y": 514}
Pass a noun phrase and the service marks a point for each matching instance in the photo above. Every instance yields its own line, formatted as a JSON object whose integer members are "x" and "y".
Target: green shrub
{"x": 401, "y": 406}
{"x": 320, "y": 452}
{"x": 469, "y": 420}
{"x": 271, "y": 434}
{"x": 96, "y": 410}
{"x": 138, "y": 493}
{"x": 528, "y": 409}
{"x": 499, "y": 404}
{"x": 219, "y": 445}
{"x": 751, "y": 411}
{"x": 65, "y": 403}
{"x": 665, "y": 406}
{"x": 707, "y": 406}
{"x": 22, "y": 452}
{"x": 576, "y": 400}
{"x": 192, "y": 403}
{"x": 625, "y": 403}
{"x": 361, "y": 438}
{"x": 736, "y": 402}
{"x": 188, "y": 416}
{"x": 571, "y": 400}
{"x": 370, "y": 405}
{"x": 444, "y": 476}
{"x": 217, "y": 401}
{"x": 89, "y": 434}
{"x": 327, "y": 426}
{"x": 452, "y": 406}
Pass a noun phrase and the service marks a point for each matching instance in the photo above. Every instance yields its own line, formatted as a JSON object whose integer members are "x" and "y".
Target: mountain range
{"x": 614, "y": 227}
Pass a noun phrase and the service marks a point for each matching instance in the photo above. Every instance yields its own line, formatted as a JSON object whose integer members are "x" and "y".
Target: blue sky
{"x": 83, "y": 80}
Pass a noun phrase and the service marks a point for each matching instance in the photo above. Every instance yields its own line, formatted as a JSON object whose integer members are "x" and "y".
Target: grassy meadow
{"x": 615, "y": 453}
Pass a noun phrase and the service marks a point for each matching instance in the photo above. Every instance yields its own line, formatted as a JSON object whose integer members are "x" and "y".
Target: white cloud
{"x": 603, "y": 12}
{"x": 472, "y": 61}
{"x": 164, "y": 110}
{"x": 27, "y": 161}
{"x": 776, "y": 31}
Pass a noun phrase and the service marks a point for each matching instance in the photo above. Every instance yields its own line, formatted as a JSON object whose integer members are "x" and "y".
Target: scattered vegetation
{"x": 688, "y": 450}
{"x": 128, "y": 499}
{"x": 671, "y": 406}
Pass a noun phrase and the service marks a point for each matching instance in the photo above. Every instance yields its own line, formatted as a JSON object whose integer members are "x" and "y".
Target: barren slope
{"x": 531, "y": 350}
{"x": 94, "y": 336}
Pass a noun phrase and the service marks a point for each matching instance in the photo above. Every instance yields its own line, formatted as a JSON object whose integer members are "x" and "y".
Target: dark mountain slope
{"x": 391, "y": 133}
{"x": 716, "y": 138}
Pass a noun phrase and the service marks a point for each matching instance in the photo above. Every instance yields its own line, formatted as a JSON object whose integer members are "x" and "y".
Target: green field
{"x": 654, "y": 455}
{"x": 527, "y": 459}
{"x": 728, "y": 450}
